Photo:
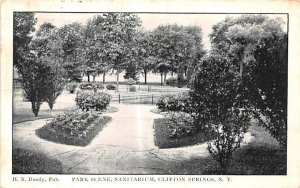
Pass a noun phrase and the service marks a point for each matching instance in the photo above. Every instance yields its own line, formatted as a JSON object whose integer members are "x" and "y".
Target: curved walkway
{"x": 124, "y": 146}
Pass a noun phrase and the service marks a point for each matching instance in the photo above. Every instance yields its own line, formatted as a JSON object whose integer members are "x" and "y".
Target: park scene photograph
{"x": 123, "y": 93}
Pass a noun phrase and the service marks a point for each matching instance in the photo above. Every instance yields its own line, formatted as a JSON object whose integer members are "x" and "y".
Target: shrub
{"x": 42, "y": 82}
{"x": 181, "y": 81}
{"x": 180, "y": 124}
{"x": 132, "y": 89}
{"x": 172, "y": 81}
{"x": 71, "y": 87}
{"x": 177, "y": 102}
{"x": 86, "y": 86}
{"x": 229, "y": 136}
{"x": 88, "y": 100}
{"x": 111, "y": 87}
{"x": 130, "y": 81}
{"x": 99, "y": 86}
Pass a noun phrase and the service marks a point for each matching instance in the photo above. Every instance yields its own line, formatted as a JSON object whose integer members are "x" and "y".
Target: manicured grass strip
{"x": 28, "y": 162}
{"x": 47, "y": 133}
{"x": 162, "y": 139}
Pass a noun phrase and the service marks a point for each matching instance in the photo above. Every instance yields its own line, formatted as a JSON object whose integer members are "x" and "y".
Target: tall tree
{"x": 47, "y": 48}
{"x": 93, "y": 48}
{"x": 118, "y": 33}
{"x": 176, "y": 48}
{"x": 246, "y": 40}
{"x": 145, "y": 55}
{"x": 23, "y": 26}
{"x": 73, "y": 49}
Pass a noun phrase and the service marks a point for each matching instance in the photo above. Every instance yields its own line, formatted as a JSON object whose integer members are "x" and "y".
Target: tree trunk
{"x": 165, "y": 77}
{"x": 161, "y": 78}
{"x": 145, "y": 73}
{"x": 117, "y": 80}
{"x": 94, "y": 78}
{"x": 88, "y": 77}
{"x": 103, "y": 78}
{"x": 180, "y": 77}
{"x": 35, "y": 106}
{"x": 190, "y": 72}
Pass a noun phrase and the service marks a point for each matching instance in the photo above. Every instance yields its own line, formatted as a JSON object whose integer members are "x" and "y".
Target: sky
{"x": 150, "y": 21}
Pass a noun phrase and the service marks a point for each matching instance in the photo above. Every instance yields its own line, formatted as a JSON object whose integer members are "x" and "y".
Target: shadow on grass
{"x": 28, "y": 162}
{"x": 246, "y": 161}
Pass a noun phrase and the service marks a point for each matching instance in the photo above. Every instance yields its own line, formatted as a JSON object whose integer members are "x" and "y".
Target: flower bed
{"x": 78, "y": 128}
{"x": 163, "y": 138}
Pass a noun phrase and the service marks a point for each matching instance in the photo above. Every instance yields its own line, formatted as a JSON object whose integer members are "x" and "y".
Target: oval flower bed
{"x": 77, "y": 128}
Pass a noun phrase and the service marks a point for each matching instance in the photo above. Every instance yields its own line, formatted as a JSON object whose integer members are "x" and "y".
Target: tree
{"x": 73, "y": 50}
{"x": 23, "y": 26}
{"x": 246, "y": 40}
{"x": 144, "y": 55}
{"x": 34, "y": 83}
{"x": 269, "y": 86}
{"x": 118, "y": 33}
{"x": 96, "y": 61}
{"x": 176, "y": 48}
{"x": 47, "y": 48}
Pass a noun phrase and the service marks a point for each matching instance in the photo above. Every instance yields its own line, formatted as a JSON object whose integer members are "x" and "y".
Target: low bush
{"x": 172, "y": 81}
{"x": 111, "y": 87}
{"x": 130, "y": 81}
{"x": 88, "y": 100}
{"x": 99, "y": 86}
{"x": 180, "y": 124}
{"x": 229, "y": 136}
{"x": 132, "y": 89}
{"x": 86, "y": 86}
{"x": 181, "y": 82}
{"x": 177, "y": 102}
{"x": 71, "y": 87}
{"x": 77, "y": 128}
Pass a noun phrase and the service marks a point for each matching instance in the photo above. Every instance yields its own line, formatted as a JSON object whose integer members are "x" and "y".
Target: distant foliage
{"x": 130, "y": 81}
{"x": 89, "y": 100}
{"x": 172, "y": 81}
{"x": 111, "y": 87}
{"x": 132, "y": 89}
{"x": 91, "y": 86}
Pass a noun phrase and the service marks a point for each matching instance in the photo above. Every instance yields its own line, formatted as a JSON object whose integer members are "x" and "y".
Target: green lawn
{"x": 28, "y": 162}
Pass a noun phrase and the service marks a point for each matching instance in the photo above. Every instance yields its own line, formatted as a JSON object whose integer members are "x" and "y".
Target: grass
{"x": 29, "y": 162}
{"x": 47, "y": 133}
{"x": 162, "y": 139}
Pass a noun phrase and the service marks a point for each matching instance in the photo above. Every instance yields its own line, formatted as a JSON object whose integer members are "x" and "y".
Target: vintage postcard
{"x": 151, "y": 93}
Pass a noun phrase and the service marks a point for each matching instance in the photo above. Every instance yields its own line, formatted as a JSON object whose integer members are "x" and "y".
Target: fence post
{"x": 152, "y": 99}
{"x": 119, "y": 98}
